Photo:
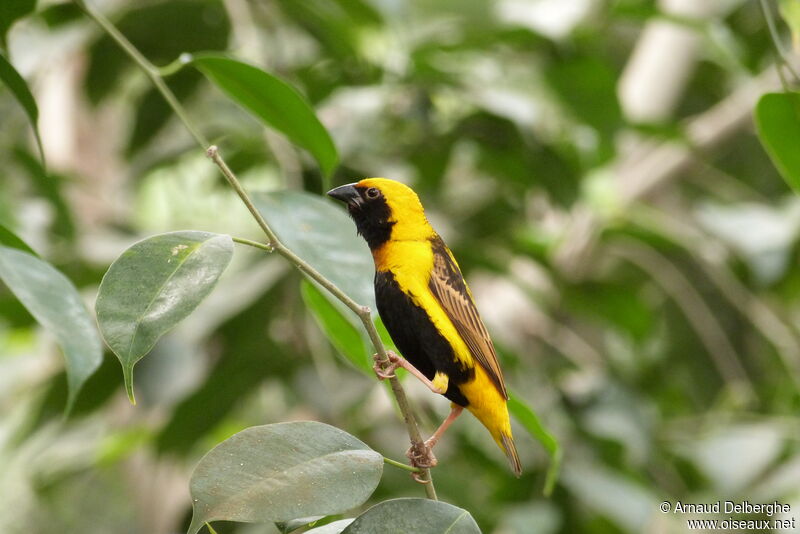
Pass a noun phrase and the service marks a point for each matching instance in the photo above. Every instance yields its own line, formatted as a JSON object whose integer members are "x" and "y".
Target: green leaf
{"x": 420, "y": 516}
{"x": 11, "y": 240}
{"x": 335, "y": 527}
{"x": 778, "y": 124}
{"x": 153, "y": 286}
{"x": 55, "y": 303}
{"x": 324, "y": 236}
{"x": 338, "y": 327}
{"x": 273, "y": 101}
{"x": 10, "y": 12}
{"x": 528, "y": 419}
{"x": 19, "y": 88}
{"x": 281, "y": 472}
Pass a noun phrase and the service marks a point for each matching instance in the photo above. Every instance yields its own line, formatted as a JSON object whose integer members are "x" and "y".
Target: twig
{"x": 275, "y": 244}
{"x": 400, "y": 465}
{"x": 254, "y": 244}
{"x": 149, "y": 69}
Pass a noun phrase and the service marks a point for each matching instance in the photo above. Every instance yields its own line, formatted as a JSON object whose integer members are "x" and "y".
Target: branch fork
{"x": 273, "y": 243}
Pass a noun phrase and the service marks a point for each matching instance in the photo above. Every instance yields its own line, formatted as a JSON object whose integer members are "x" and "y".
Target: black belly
{"x": 417, "y": 338}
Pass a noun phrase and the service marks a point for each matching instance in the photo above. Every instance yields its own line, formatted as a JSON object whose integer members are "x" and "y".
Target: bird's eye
{"x": 373, "y": 193}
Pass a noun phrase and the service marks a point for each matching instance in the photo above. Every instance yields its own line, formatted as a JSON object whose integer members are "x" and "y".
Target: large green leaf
{"x": 528, "y": 418}
{"x": 273, "y": 101}
{"x": 335, "y": 527}
{"x": 154, "y": 285}
{"x": 338, "y": 327}
{"x": 283, "y": 471}
{"x": 420, "y": 516}
{"x": 778, "y": 122}
{"x": 19, "y": 88}
{"x": 12, "y": 240}
{"x": 324, "y": 236}
{"x": 55, "y": 303}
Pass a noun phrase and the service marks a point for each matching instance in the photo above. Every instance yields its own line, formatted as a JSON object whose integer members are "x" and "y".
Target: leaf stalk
{"x": 156, "y": 77}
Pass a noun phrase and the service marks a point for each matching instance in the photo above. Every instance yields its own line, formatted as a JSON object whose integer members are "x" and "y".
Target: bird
{"x": 429, "y": 312}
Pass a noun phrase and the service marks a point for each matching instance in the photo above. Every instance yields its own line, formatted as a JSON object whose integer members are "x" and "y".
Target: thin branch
{"x": 400, "y": 465}
{"x": 212, "y": 152}
{"x": 149, "y": 69}
{"x": 254, "y": 244}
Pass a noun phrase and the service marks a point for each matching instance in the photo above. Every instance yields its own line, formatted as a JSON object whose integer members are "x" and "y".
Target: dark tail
{"x": 511, "y": 454}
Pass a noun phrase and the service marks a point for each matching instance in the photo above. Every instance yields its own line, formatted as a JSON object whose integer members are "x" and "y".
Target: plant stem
{"x": 363, "y": 312}
{"x": 275, "y": 244}
{"x": 149, "y": 69}
{"x": 400, "y": 465}
{"x": 255, "y": 244}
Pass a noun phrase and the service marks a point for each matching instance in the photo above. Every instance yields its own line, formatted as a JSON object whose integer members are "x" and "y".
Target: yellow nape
{"x": 407, "y": 211}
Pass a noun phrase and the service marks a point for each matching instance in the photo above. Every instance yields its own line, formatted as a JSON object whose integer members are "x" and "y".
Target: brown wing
{"x": 448, "y": 286}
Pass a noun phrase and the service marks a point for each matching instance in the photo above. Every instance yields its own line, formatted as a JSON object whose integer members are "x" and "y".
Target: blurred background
{"x": 591, "y": 163}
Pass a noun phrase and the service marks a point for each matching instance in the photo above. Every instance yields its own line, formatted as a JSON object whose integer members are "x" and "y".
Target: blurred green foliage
{"x": 654, "y": 332}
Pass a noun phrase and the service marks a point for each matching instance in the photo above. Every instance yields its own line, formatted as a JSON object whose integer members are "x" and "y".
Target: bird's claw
{"x": 383, "y": 371}
{"x": 418, "y": 478}
{"x": 421, "y": 455}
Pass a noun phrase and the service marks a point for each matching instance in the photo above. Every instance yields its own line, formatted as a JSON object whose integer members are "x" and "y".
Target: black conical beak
{"x": 347, "y": 194}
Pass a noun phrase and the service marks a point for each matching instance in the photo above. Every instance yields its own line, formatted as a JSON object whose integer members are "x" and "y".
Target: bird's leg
{"x": 455, "y": 411}
{"x": 421, "y": 454}
{"x": 440, "y": 381}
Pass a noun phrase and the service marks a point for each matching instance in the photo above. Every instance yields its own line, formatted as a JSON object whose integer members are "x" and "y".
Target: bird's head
{"x": 384, "y": 210}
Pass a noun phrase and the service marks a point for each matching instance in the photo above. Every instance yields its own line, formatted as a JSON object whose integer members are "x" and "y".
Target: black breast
{"x": 417, "y": 337}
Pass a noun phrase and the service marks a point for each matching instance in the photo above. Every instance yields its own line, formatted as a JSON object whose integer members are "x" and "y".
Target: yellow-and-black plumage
{"x": 426, "y": 305}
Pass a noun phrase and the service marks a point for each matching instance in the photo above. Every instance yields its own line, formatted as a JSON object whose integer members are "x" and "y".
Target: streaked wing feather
{"x": 448, "y": 286}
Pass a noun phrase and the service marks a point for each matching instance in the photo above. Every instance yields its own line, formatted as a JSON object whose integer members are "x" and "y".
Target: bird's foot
{"x": 418, "y": 478}
{"x": 382, "y": 370}
{"x": 421, "y": 455}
